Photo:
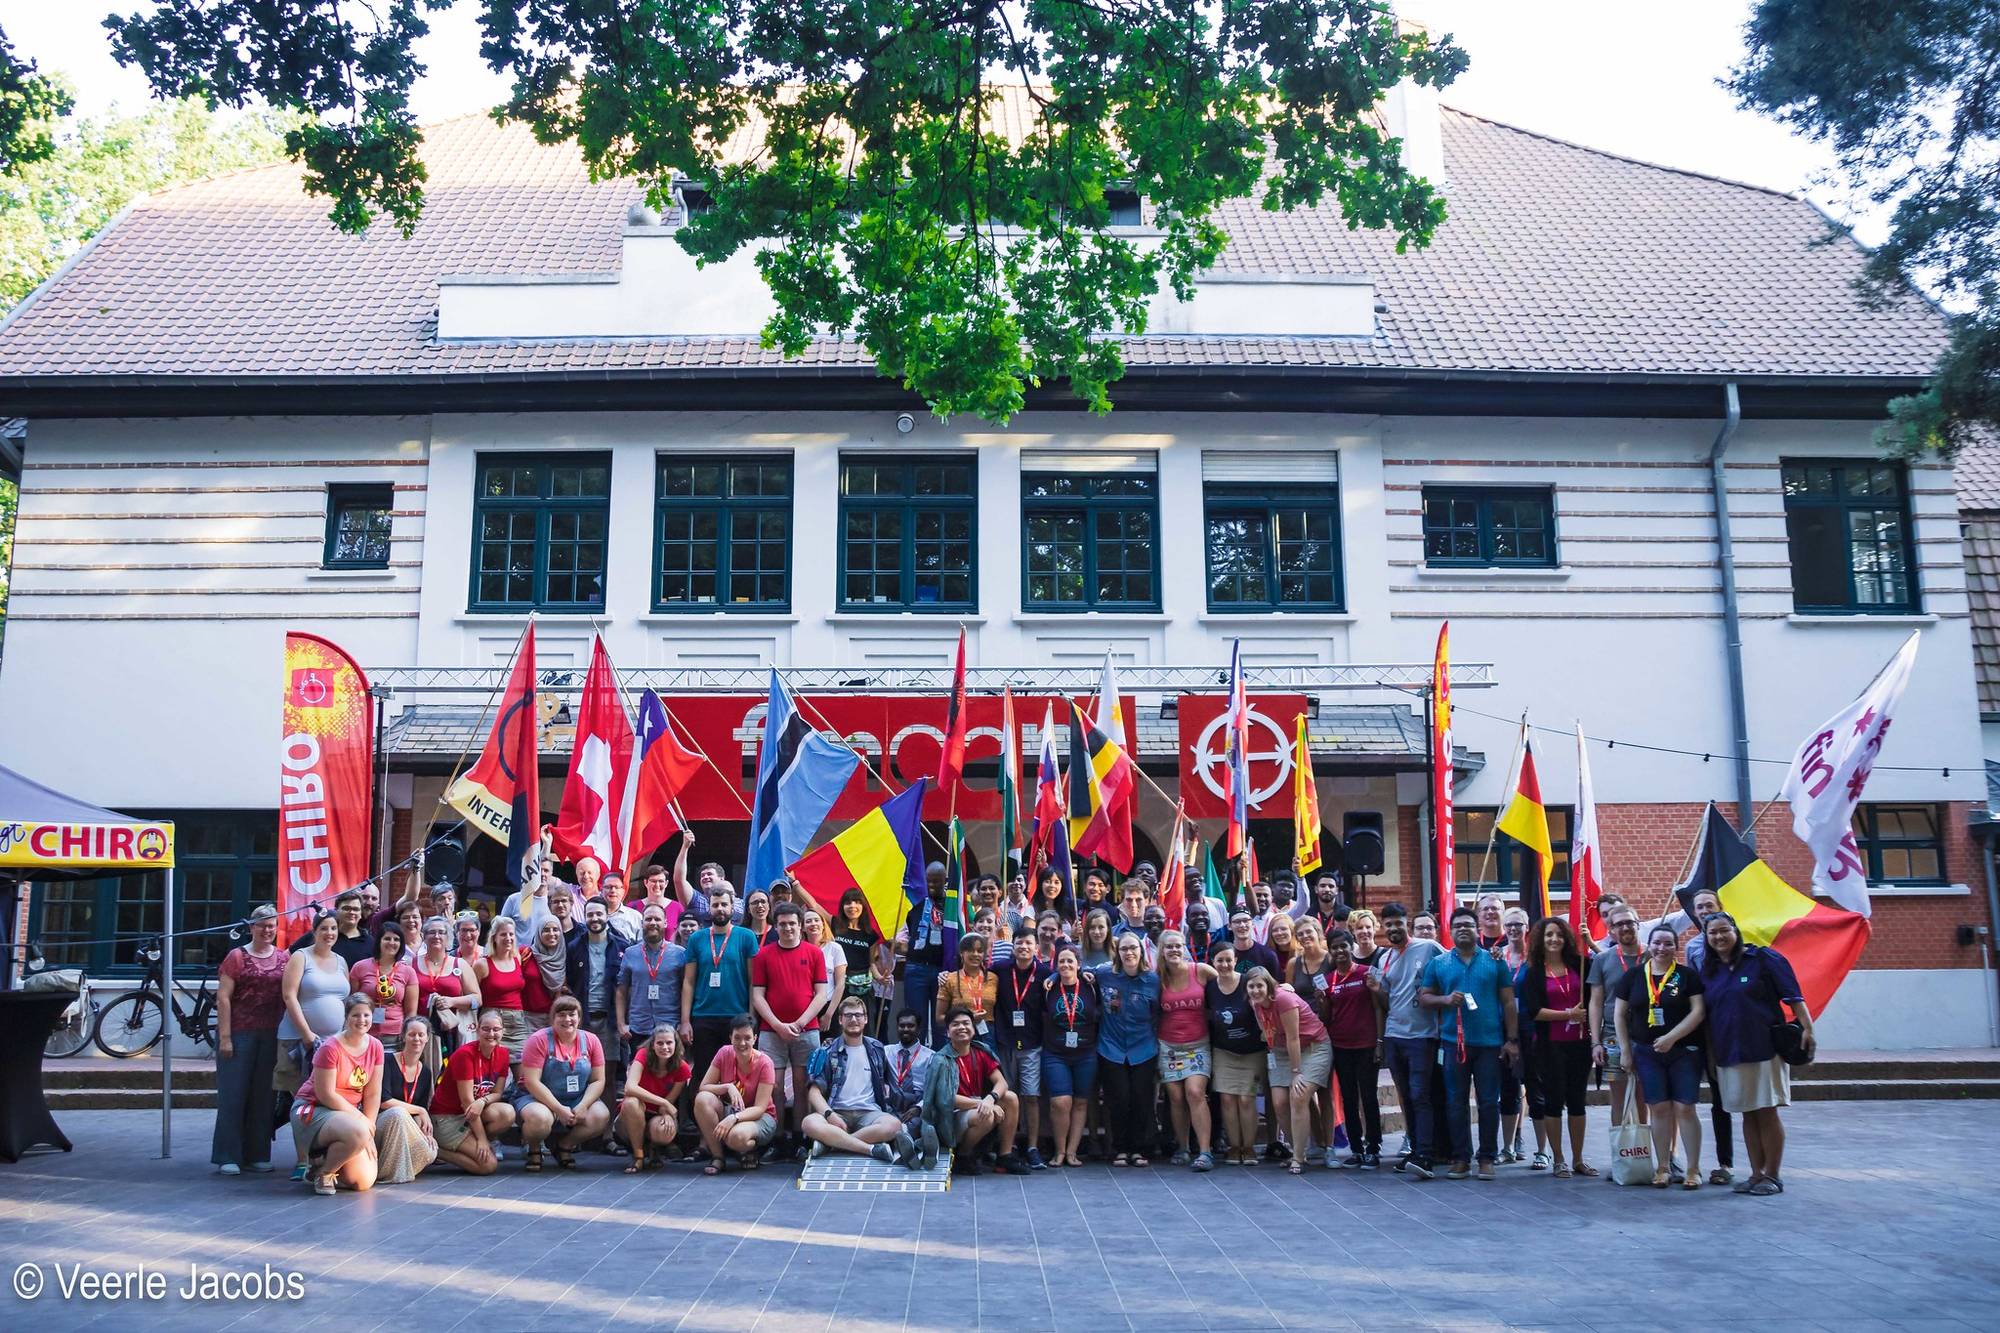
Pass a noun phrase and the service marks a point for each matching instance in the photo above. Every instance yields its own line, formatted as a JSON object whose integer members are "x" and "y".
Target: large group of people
{"x": 693, "y": 1025}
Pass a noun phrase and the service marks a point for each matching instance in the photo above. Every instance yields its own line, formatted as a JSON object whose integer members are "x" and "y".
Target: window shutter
{"x": 1089, "y": 461}
{"x": 1318, "y": 466}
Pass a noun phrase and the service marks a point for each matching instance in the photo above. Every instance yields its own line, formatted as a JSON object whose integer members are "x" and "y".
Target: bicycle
{"x": 133, "y": 1023}
{"x": 72, "y": 1031}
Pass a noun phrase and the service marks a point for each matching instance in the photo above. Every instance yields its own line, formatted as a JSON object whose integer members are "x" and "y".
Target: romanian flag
{"x": 1820, "y": 941}
{"x": 1305, "y": 804}
{"x": 1100, "y": 782}
{"x": 878, "y": 854}
{"x": 1526, "y": 821}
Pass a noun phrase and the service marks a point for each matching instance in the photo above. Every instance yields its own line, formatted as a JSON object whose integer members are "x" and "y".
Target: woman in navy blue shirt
{"x": 1748, "y": 989}
{"x": 1070, "y": 1013}
{"x": 1127, "y": 1049}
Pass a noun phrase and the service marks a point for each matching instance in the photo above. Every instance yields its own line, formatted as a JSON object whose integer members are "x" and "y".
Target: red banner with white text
{"x": 326, "y": 779}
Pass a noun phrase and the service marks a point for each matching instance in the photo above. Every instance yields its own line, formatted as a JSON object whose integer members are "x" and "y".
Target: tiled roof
{"x": 1556, "y": 258}
{"x": 1976, "y": 473}
{"x": 1982, "y": 586}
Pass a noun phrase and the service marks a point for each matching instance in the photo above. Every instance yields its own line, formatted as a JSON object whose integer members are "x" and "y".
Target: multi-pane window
{"x": 357, "y": 526}
{"x": 1502, "y": 870}
{"x": 1272, "y": 548}
{"x": 539, "y": 530}
{"x": 1467, "y": 525}
{"x": 1089, "y": 540}
{"x": 907, "y": 533}
{"x": 1848, "y": 524}
{"x": 1902, "y": 844}
{"x": 725, "y": 533}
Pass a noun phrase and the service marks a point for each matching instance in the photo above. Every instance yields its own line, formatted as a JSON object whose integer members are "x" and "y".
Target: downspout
{"x": 1732, "y": 620}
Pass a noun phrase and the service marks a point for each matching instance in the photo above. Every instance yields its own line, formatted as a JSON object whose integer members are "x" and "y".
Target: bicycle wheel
{"x": 130, "y": 1025}
{"x": 200, "y": 1024}
{"x": 72, "y": 1033}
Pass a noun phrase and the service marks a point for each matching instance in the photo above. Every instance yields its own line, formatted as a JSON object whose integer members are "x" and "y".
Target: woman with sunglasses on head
{"x": 1128, "y": 1049}
{"x": 503, "y": 981}
{"x": 390, "y": 982}
{"x": 447, "y": 992}
{"x": 249, "y": 1001}
{"x": 468, "y": 934}
{"x": 1301, "y": 1061}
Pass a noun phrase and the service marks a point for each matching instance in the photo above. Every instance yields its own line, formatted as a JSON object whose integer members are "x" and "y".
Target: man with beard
{"x": 850, "y": 1101}
{"x": 596, "y": 959}
{"x": 649, "y": 983}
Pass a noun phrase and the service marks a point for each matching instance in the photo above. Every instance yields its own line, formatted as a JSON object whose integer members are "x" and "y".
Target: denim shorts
{"x": 1673, "y": 1077}
{"x": 1067, "y": 1075}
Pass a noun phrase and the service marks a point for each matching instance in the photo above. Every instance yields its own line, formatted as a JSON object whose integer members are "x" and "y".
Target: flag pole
{"x": 805, "y": 705}
{"x": 1506, "y": 795}
{"x": 1434, "y": 845}
{"x": 479, "y": 729}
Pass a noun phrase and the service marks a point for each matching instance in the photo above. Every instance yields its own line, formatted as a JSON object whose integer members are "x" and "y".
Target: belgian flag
{"x": 1821, "y": 942}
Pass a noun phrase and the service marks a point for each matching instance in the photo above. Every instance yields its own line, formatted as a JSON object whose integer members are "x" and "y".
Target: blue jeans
{"x": 920, "y": 988}
{"x": 1482, "y": 1065}
{"x": 1411, "y": 1063}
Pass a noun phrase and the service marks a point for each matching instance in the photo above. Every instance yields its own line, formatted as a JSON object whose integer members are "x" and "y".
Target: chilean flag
{"x": 1236, "y": 770}
{"x": 661, "y": 768}
{"x": 588, "y": 822}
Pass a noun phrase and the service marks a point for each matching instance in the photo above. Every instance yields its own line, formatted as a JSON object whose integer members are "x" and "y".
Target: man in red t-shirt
{"x": 984, "y": 1101}
{"x": 788, "y": 988}
{"x": 469, "y": 1109}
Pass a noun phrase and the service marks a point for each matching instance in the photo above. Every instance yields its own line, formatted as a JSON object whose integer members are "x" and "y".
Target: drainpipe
{"x": 1732, "y": 621}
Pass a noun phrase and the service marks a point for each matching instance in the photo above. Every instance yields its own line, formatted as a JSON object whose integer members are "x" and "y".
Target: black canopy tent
{"x": 49, "y": 836}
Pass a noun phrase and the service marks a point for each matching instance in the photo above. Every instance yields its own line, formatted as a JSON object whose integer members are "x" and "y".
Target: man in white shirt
{"x": 850, "y": 1098}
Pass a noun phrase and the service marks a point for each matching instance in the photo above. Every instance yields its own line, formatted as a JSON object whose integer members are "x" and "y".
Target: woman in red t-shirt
{"x": 652, "y": 1087}
{"x": 333, "y": 1114}
{"x": 470, "y": 1108}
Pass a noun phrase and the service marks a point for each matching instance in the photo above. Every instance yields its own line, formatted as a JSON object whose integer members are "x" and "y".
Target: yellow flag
{"x": 1305, "y": 804}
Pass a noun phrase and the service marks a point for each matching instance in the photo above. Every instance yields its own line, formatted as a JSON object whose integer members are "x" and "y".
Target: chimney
{"x": 1410, "y": 113}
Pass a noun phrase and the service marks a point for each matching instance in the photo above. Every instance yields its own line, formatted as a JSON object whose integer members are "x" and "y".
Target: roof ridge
{"x": 1690, "y": 172}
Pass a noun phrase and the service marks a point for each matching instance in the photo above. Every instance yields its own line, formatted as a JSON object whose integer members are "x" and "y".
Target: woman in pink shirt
{"x": 1184, "y": 1052}
{"x": 1552, "y": 995}
{"x": 390, "y": 984}
{"x": 1301, "y": 1061}
{"x": 333, "y": 1114}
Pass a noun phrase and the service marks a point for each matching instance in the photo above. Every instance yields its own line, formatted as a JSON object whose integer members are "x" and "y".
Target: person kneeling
{"x": 983, "y": 1102}
{"x": 333, "y": 1114}
{"x": 647, "y": 1114}
{"x": 734, "y": 1108}
{"x": 561, "y": 1086}
{"x": 467, "y": 1111}
{"x": 851, "y": 1103}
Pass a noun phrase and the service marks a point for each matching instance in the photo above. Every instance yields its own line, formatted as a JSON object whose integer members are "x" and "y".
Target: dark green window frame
{"x": 920, "y": 502}
{"x": 540, "y": 532}
{"x": 358, "y": 522}
{"x": 1284, "y": 518}
{"x": 1472, "y": 830}
{"x": 1862, "y": 505}
{"x": 1112, "y": 515}
{"x": 722, "y": 532}
{"x": 1902, "y": 843}
{"x": 1486, "y": 527}
{"x": 226, "y": 862}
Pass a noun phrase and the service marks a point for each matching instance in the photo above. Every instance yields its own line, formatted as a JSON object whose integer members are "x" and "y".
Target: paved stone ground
{"x": 1888, "y": 1221}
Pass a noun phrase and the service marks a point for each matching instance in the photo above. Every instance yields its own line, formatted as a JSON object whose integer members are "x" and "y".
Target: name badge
{"x": 574, "y": 1083}
{"x": 1656, "y": 1017}
{"x": 1020, "y": 1019}
{"x": 652, "y": 992}
{"x": 1319, "y": 981}
{"x": 715, "y": 981}
{"x": 1069, "y": 1039}
{"x": 980, "y": 1027}
{"x": 380, "y": 1014}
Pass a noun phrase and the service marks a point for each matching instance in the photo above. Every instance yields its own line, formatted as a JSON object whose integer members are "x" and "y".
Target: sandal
{"x": 1122, "y": 1159}
{"x": 1295, "y": 1167}
{"x": 1766, "y": 1187}
{"x": 1693, "y": 1182}
{"x": 638, "y": 1164}
{"x": 1137, "y": 1160}
{"x": 1541, "y": 1162}
{"x": 751, "y": 1160}
{"x": 565, "y": 1158}
{"x": 1585, "y": 1169}
{"x": 1662, "y": 1178}
{"x": 1722, "y": 1175}
{"x": 711, "y": 1168}
{"x": 1562, "y": 1171}
{"x": 534, "y": 1162}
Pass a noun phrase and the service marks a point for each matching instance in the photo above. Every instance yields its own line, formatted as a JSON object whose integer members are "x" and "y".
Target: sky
{"x": 1635, "y": 79}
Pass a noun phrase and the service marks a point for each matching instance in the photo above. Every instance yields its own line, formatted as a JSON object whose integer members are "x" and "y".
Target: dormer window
{"x": 1124, "y": 206}
{"x": 692, "y": 200}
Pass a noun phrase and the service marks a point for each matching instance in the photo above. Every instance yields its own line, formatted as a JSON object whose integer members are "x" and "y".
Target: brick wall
{"x": 1646, "y": 847}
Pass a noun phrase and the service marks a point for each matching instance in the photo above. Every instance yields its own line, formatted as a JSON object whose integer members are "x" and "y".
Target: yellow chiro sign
{"x": 28, "y": 845}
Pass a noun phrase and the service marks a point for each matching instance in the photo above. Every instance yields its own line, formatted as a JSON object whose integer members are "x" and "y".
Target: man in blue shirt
{"x": 649, "y": 983}
{"x": 1477, "y": 1029}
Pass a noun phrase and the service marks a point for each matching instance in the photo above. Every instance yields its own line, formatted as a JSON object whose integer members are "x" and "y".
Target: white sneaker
{"x": 229, "y": 1169}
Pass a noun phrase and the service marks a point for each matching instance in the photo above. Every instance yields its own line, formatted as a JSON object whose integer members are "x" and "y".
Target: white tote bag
{"x": 1631, "y": 1142}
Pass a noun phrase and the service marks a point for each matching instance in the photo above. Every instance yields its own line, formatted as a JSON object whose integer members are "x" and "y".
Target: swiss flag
{"x": 588, "y": 823}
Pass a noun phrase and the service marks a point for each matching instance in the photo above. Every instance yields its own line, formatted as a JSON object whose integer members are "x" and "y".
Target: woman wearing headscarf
{"x": 544, "y": 973}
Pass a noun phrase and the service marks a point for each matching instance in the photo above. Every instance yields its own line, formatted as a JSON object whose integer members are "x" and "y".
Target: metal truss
{"x": 1411, "y": 677}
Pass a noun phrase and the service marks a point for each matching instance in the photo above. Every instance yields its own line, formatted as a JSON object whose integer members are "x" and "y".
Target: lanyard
{"x": 1653, "y": 991}
{"x": 1020, "y": 996}
{"x": 903, "y": 1059}
{"x": 652, "y": 963}
{"x": 555, "y": 1047}
{"x": 972, "y": 991}
{"x": 411, "y": 1082}
{"x": 714, "y": 954}
{"x": 1071, "y": 1000}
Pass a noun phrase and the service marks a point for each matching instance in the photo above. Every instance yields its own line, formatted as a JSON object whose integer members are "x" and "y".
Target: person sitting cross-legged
{"x": 984, "y": 1103}
{"x": 851, "y": 1099}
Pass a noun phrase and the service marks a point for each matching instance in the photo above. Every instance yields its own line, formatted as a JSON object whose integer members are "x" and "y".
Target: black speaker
{"x": 445, "y": 864}
{"x": 1361, "y": 842}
